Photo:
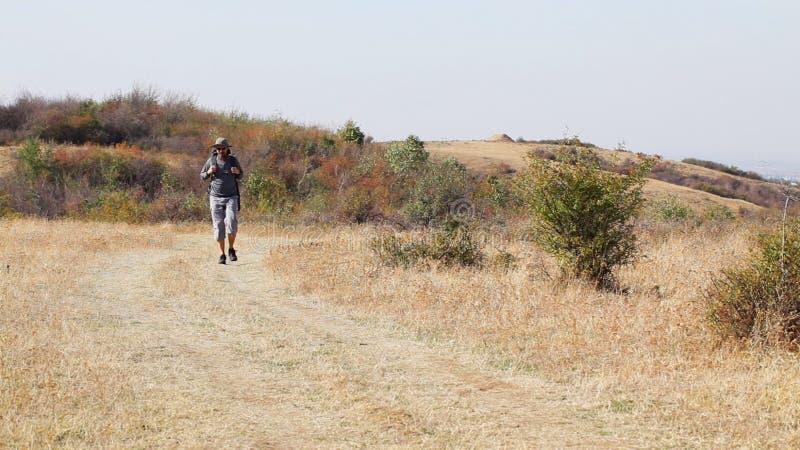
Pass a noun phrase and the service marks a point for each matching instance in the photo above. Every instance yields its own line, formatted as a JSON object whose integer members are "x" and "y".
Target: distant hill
{"x": 700, "y": 187}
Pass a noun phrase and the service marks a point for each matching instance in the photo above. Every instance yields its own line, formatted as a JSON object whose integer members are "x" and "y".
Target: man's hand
{"x": 235, "y": 170}
{"x": 211, "y": 170}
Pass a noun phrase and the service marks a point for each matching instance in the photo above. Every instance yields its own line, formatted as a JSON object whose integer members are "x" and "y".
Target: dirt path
{"x": 227, "y": 356}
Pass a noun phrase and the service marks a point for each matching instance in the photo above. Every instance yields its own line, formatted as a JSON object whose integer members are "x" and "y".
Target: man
{"x": 224, "y": 170}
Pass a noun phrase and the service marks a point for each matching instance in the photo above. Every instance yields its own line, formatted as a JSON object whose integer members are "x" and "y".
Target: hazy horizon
{"x": 712, "y": 80}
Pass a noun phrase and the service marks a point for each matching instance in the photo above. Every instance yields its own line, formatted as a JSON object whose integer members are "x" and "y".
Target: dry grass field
{"x": 121, "y": 336}
{"x": 643, "y": 364}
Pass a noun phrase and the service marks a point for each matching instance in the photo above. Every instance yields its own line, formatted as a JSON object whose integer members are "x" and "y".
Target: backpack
{"x": 212, "y": 160}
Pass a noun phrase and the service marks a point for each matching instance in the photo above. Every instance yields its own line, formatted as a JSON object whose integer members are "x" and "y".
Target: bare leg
{"x": 231, "y": 240}
{"x": 222, "y": 245}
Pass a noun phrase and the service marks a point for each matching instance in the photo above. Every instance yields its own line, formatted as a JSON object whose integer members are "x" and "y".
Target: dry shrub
{"x": 115, "y": 206}
{"x": 453, "y": 243}
{"x": 177, "y": 207}
{"x": 759, "y": 300}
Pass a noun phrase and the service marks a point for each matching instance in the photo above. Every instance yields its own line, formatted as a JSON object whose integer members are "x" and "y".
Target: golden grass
{"x": 159, "y": 359}
{"x": 647, "y": 356}
{"x": 50, "y": 359}
{"x": 118, "y": 336}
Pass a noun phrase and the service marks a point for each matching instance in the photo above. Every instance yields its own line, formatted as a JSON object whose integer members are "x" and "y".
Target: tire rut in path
{"x": 236, "y": 360}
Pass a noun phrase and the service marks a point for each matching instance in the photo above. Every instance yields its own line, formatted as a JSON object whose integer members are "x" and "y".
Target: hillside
{"x": 669, "y": 177}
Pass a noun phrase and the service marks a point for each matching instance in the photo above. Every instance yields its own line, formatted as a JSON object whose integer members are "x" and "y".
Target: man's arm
{"x": 204, "y": 172}
{"x": 239, "y": 166}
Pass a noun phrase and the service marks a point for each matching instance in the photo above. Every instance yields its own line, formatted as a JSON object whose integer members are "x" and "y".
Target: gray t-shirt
{"x": 223, "y": 181}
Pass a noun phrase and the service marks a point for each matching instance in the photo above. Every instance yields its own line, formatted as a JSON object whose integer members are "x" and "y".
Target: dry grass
{"x": 51, "y": 360}
{"x": 136, "y": 339}
{"x": 646, "y": 356}
{"x": 6, "y": 153}
{"x": 123, "y": 340}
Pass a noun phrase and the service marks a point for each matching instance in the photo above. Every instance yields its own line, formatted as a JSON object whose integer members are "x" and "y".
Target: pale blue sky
{"x": 711, "y": 79}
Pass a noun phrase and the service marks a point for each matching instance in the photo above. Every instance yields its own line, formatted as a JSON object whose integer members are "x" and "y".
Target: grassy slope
{"x": 483, "y": 155}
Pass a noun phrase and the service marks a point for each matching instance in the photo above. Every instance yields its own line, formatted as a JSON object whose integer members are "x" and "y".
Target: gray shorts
{"x": 223, "y": 215}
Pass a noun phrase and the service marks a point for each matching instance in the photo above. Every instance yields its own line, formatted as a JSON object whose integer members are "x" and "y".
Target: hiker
{"x": 223, "y": 194}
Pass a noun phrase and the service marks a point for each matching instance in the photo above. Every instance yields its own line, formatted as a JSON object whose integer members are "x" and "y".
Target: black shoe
{"x": 222, "y": 258}
{"x": 232, "y": 254}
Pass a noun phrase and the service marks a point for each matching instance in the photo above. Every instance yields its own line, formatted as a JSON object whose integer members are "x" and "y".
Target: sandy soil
{"x": 230, "y": 357}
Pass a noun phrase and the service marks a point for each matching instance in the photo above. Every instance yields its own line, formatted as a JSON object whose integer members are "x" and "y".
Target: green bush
{"x": 453, "y": 243}
{"x": 583, "y": 214}
{"x": 437, "y": 187}
{"x": 34, "y": 160}
{"x": 350, "y": 132}
{"x": 267, "y": 192}
{"x": 498, "y": 191}
{"x": 405, "y": 157}
{"x": 573, "y": 141}
{"x": 760, "y": 299}
{"x": 718, "y": 213}
{"x": 671, "y": 209}
{"x": 116, "y": 206}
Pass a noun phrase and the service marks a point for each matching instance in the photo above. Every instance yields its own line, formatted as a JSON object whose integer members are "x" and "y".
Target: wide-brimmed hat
{"x": 221, "y": 142}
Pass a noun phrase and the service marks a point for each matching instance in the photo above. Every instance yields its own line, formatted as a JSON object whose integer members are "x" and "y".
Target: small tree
{"x": 350, "y": 132}
{"x": 583, "y": 214}
{"x": 405, "y": 157}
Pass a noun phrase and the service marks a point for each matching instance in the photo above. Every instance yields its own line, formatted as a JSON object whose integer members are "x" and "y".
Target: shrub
{"x": 718, "y": 213}
{"x": 497, "y": 191}
{"x": 34, "y": 160}
{"x": 350, "y": 132}
{"x": 504, "y": 261}
{"x": 177, "y": 207}
{"x": 573, "y": 141}
{"x": 453, "y": 243}
{"x": 760, "y": 300}
{"x": 112, "y": 169}
{"x": 438, "y": 186}
{"x": 407, "y": 156}
{"x": 671, "y": 209}
{"x": 77, "y": 124}
{"x": 267, "y": 192}
{"x": 716, "y": 190}
{"x": 357, "y": 205}
{"x": 582, "y": 214}
{"x": 116, "y": 206}
{"x": 733, "y": 170}
{"x": 396, "y": 250}
{"x": 495, "y": 196}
